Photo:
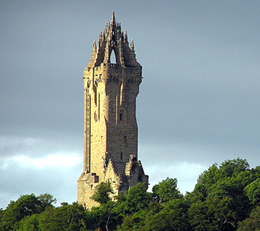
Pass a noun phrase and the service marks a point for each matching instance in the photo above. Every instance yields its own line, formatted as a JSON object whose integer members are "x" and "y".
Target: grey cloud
{"x": 17, "y": 180}
{"x": 35, "y": 147}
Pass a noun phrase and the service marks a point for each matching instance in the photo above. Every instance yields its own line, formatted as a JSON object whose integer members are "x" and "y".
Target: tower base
{"x": 121, "y": 179}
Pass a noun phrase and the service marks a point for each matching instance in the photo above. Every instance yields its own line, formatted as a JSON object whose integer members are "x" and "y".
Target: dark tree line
{"x": 225, "y": 198}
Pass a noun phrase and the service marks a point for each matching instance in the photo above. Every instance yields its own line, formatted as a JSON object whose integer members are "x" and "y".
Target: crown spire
{"x": 113, "y": 41}
{"x": 126, "y": 37}
{"x": 132, "y": 46}
{"x": 94, "y": 47}
{"x": 113, "y": 19}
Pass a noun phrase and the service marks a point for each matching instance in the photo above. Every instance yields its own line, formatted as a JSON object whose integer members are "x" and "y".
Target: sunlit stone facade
{"x": 111, "y": 85}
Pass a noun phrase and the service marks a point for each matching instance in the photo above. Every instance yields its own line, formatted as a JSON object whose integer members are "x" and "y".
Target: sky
{"x": 198, "y": 102}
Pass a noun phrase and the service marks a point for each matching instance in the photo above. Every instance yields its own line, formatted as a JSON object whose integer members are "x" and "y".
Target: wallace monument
{"x": 111, "y": 85}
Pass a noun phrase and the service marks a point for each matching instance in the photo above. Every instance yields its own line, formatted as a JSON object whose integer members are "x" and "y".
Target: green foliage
{"x": 210, "y": 176}
{"x": 252, "y": 223}
{"x": 231, "y": 168}
{"x": 26, "y": 205}
{"x": 136, "y": 199}
{"x": 214, "y": 214}
{"x": 47, "y": 200}
{"x": 198, "y": 217}
{"x": 166, "y": 190}
{"x": 137, "y": 220}
{"x": 174, "y": 216}
{"x": 237, "y": 168}
{"x": 218, "y": 201}
{"x": 102, "y": 193}
{"x": 133, "y": 222}
{"x": 225, "y": 198}
{"x": 246, "y": 177}
{"x": 29, "y": 223}
{"x": 229, "y": 196}
{"x": 105, "y": 217}
{"x": 31, "y": 213}
{"x": 253, "y": 191}
{"x": 68, "y": 217}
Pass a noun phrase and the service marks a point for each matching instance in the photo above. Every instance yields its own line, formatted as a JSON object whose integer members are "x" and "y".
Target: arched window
{"x": 113, "y": 57}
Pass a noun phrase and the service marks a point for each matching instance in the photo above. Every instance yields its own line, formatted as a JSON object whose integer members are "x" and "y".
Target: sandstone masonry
{"x": 110, "y": 127}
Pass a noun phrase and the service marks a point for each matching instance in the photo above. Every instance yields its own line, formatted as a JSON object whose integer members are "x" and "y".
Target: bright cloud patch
{"x": 37, "y": 153}
{"x": 58, "y": 160}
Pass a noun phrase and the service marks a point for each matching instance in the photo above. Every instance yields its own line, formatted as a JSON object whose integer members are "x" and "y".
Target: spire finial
{"x": 94, "y": 47}
{"x": 101, "y": 36}
{"x": 126, "y": 37}
{"x": 132, "y": 46}
{"x": 113, "y": 20}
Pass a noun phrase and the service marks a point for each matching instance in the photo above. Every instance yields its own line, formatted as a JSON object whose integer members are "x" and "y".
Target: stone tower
{"x": 111, "y": 85}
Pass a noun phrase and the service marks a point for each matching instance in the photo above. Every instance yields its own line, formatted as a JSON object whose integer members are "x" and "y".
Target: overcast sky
{"x": 198, "y": 102}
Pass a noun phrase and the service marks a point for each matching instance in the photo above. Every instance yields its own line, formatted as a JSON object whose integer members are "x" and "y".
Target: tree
{"x": 68, "y": 217}
{"x": 231, "y": 168}
{"x": 253, "y": 191}
{"x": 137, "y": 220}
{"x": 102, "y": 193}
{"x": 47, "y": 200}
{"x": 218, "y": 201}
{"x": 232, "y": 190}
{"x": 166, "y": 190}
{"x": 105, "y": 217}
{"x": 221, "y": 214}
{"x": 29, "y": 223}
{"x": 174, "y": 216}
{"x": 136, "y": 199}
{"x": 198, "y": 216}
{"x": 210, "y": 176}
{"x": 133, "y": 222}
{"x": 26, "y": 205}
{"x": 252, "y": 223}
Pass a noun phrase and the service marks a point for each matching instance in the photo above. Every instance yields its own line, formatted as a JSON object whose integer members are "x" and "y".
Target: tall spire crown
{"x": 113, "y": 40}
{"x": 94, "y": 47}
{"x": 132, "y": 46}
{"x": 113, "y": 19}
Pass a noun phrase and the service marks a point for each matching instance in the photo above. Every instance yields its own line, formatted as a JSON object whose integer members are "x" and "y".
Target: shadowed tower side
{"x": 111, "y": 85}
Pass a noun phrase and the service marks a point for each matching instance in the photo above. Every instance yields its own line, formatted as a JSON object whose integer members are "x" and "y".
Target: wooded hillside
{"x": 226, "y": 197}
